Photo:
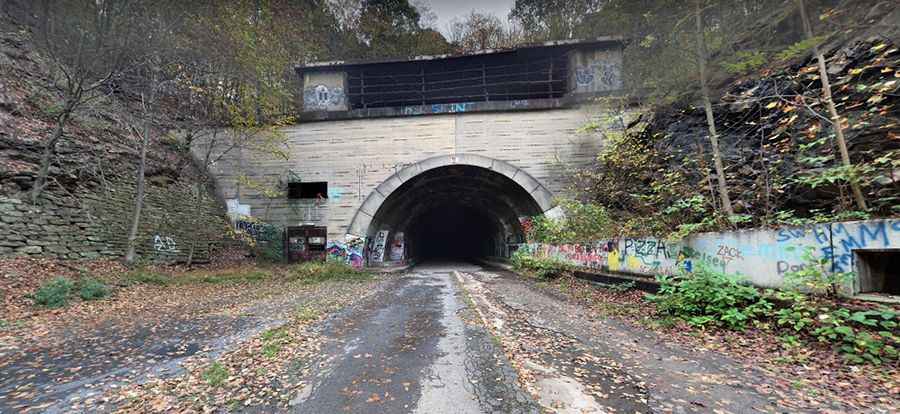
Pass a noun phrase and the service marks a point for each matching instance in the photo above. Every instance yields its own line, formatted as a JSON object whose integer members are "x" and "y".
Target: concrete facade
{"x": 357, "y": 156}
{"x": 484, "y": 139}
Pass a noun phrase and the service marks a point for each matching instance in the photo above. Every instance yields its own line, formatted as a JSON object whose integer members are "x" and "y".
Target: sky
{"x": 446, "y": 10}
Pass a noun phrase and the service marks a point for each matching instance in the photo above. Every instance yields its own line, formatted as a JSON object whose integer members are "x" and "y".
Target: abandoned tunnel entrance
{"x": 456, "y": 212}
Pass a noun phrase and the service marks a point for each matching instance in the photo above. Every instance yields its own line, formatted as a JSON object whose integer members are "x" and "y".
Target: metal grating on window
{"x": 499, "y": 77}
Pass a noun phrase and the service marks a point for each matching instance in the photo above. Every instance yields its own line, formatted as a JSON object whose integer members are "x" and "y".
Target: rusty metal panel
{"x": 306, "y": 243}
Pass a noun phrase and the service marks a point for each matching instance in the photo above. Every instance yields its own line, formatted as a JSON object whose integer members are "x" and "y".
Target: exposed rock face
{"x": 774, "y": 131}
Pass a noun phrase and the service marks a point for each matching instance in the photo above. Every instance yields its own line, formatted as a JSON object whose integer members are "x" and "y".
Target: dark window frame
{"x": 310, "y": 190}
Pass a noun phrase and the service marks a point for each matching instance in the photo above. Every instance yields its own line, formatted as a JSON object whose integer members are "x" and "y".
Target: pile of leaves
{"x": 263, "y": 373}
{"x": 802, "y": 363}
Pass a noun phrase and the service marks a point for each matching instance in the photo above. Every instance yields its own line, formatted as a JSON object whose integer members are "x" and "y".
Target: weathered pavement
{"x": 444, "y": 338}
{"x": 454, "y": 338}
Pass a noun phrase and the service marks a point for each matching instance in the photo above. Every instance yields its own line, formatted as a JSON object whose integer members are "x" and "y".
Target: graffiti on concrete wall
{"x": 398, "y": 246}
{"x": 450, "y": 108}
{"x": 378, "y": 246}
{"x": 335, "y": 193}
{"x": 762, "y": 256}
{"x": 599, "y": 76}
{"x": 323, "y": 97}
{"x": 251, "y": 228}
{"x": 350, "y": 251}
{"x": 164, "y": 244}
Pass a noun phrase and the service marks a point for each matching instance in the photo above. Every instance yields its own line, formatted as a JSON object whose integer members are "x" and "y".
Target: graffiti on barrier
{"x": 164, "y": 244}
{"x": 762, "y": 256}
{"x": 398, "y": 246}
{"x": 378, "y": 246}
{"x": 350, "y": 251}
{"x": 322, "y": 97}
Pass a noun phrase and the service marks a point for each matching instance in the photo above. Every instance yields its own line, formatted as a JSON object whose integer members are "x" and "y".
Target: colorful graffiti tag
{"x": 762, "y": 256}
{"x": 350, "y": 251}
{"x": 378, "y": 246}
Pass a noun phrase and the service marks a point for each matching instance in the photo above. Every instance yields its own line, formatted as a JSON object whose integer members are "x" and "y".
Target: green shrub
{"x": 542, "y": 267}
{"x": 861, "y": 336}
{"x": 54, "y": 294}
{"x": 92, "y": 289}
{"x": 707, "y": 297}
{"x": 583, "y": 222}
{"x": 815, "y": 276}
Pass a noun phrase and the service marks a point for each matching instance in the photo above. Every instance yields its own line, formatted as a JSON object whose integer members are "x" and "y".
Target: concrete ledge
{"x": 640, "y": 283}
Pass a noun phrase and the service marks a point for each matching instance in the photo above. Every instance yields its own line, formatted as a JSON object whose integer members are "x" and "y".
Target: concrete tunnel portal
{"x": 451, "y": 210}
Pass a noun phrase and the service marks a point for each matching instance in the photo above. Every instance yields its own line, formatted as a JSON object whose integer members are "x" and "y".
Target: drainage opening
{"x": 879, "y": 271}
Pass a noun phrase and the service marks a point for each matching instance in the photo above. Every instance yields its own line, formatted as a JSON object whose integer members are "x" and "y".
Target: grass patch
{"x": 92, "y": 289}
{"x": 54, "y": 294}
{"x": 310, "y": 273}
{"x": 227, "y": 277}
{"x": 273, "y": 341}
{"x": 145, "y": 277}
{"x": 307, "y": 313}
{"x": 216, "y": 374}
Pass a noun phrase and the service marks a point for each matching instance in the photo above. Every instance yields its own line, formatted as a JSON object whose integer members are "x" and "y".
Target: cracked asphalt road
{"x": 410, "y": 350}
{"x": 442, "y": 338}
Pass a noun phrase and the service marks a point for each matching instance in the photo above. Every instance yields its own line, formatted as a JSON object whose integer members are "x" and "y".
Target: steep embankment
{"x": 781, "y": 160}
{"x": 87, "y": 207}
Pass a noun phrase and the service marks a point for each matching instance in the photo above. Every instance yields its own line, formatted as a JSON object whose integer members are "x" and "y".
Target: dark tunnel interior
{"x": 456, "y": 212}
{"x": 453, "y": 232}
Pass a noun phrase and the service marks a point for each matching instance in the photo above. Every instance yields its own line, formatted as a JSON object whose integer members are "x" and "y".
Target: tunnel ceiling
{"x": 481, "y": 200}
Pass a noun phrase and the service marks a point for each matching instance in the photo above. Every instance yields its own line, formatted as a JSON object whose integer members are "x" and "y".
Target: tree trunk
{"x": 142, "y": 167}
{"x": 710, "y": 120}
{"x": 40, "y": 182}
{"x": 139, "y": 197}
{"x": 832, "y": 112}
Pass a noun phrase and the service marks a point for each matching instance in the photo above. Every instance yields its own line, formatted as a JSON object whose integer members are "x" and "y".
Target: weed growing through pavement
{"x": 216, "y": 374}
{"x": 273, "y": 341}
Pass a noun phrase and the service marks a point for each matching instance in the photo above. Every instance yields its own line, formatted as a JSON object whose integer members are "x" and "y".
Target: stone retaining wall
{"x": 96, "y": 224}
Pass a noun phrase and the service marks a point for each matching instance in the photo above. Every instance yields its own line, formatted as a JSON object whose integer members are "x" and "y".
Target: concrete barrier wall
{"x": 762, "y": 256}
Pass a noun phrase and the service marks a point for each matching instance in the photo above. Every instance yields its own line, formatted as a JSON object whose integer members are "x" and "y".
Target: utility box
{"x": 305, "y": 243}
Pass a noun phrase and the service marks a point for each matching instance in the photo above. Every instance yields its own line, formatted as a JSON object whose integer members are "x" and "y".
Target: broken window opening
{"x": 308, "y": 190}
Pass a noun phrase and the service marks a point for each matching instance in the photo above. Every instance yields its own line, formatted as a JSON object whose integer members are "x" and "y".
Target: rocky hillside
{"x": 779, "y": 151}
{"x": 86, "y": 209}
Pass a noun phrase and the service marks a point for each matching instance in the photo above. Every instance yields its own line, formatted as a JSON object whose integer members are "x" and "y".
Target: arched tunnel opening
{"x": 457, "y": 212}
